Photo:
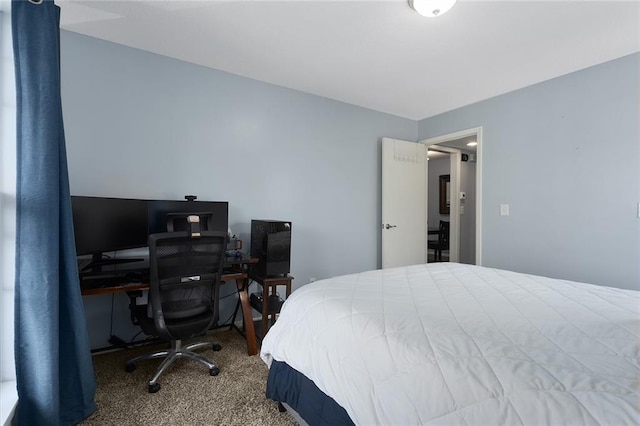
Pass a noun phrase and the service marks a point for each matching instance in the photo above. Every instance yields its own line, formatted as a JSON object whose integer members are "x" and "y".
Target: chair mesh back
{"x": 185, "y": 273}
{"x": 443, "y": 236}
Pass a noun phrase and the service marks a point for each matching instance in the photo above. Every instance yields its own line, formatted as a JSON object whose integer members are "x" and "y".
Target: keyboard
{"x": 89, "y": 283}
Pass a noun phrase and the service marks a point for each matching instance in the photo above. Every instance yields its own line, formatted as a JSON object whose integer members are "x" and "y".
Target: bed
{"x": 448, "y": 343}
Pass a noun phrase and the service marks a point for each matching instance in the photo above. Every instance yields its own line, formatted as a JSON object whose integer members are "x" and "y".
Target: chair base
{"x": 172, "y": 354}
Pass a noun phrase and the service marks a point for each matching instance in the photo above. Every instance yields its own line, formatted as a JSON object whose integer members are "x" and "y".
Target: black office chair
{"x": 185, "y": 270}
{"x": 442, "y": 243}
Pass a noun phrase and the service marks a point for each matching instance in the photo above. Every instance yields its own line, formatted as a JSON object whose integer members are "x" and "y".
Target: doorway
{"x": 465, "y": 192}
{"x": 438, "y": 205}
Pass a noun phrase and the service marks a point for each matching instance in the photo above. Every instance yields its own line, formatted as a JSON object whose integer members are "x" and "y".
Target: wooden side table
{"x": 270, "y": 287}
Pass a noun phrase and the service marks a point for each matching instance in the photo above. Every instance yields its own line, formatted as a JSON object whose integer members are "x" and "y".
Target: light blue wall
{"x": 144, "y": 125}
{"x": 565, "y": 154}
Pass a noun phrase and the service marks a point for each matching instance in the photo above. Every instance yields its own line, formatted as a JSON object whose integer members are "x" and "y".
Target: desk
{"x": 235, "y": 269}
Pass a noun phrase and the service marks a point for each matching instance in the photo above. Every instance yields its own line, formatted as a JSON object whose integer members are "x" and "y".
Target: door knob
{"x": 387, "y": 226}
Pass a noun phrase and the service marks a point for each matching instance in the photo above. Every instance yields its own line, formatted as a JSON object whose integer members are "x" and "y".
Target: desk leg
{"x": 250, "y": 331}
{"x": 265, "y": 310}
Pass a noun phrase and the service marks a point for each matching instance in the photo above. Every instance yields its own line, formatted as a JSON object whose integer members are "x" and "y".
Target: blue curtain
{"x": 54, "y": 370}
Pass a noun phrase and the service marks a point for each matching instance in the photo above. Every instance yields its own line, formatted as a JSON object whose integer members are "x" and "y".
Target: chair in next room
{"x": 185, "y": 272}
{"x": 442, "y": 243}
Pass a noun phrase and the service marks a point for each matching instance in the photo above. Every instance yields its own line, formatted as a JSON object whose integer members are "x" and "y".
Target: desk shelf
{"x": 270, "y": 288}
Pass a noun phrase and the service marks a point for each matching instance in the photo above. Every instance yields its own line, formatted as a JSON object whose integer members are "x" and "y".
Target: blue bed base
{"x": 287, "y": 385}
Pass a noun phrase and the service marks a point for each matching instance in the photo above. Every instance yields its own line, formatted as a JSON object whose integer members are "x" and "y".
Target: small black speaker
{"x": 271, "y": 244}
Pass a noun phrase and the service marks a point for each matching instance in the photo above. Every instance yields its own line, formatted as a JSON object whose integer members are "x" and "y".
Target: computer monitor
{"x": 103, "y": 225}
{"x": 214, "y": 215}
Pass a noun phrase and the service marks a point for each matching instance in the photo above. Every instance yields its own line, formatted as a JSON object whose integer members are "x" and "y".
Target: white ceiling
{"x": 376, "y": 54}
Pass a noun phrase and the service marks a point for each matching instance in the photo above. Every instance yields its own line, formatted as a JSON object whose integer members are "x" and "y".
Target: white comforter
{"x": 457, "y": 344}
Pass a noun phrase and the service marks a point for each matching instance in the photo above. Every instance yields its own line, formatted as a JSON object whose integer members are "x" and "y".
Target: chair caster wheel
{"x": 214, "y": 371}
{"x": 130, "y": 368}
{"x": 154, "y": 388}
{"x": 216, "y": 347}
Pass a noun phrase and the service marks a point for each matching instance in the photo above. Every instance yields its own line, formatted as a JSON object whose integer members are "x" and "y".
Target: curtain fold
{"x": 54, "y": 370}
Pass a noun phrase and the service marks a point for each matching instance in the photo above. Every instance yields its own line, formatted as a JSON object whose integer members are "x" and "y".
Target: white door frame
{"x": 477, "y": 132}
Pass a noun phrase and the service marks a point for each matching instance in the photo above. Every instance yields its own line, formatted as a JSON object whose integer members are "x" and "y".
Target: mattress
{"x": 448, "y": 343}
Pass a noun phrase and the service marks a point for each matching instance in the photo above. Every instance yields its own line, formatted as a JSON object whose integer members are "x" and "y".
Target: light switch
{"x": 504, "y": 209}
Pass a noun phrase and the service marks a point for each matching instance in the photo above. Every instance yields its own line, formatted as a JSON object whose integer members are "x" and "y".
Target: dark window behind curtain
{"x": 54, "y": 371}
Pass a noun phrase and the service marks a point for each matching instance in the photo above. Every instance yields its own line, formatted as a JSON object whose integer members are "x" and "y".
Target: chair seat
{"x": 435, "y": 245}
{"x": 178, "y": 328}
{"x": 184, "y": 308}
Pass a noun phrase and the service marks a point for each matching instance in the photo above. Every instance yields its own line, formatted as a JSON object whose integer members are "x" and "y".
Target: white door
{"x": 404, "y": 203}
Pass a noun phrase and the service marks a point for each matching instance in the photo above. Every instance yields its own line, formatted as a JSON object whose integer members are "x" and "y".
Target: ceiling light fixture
{"x": 472, "y": 144}
{"x": 431, "y": 8}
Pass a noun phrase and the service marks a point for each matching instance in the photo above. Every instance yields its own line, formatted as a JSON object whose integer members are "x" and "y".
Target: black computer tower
{"x": 271, "y": 244}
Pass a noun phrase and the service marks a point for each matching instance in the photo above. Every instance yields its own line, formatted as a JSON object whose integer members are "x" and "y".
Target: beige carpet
{"x": 188, "y": 394}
